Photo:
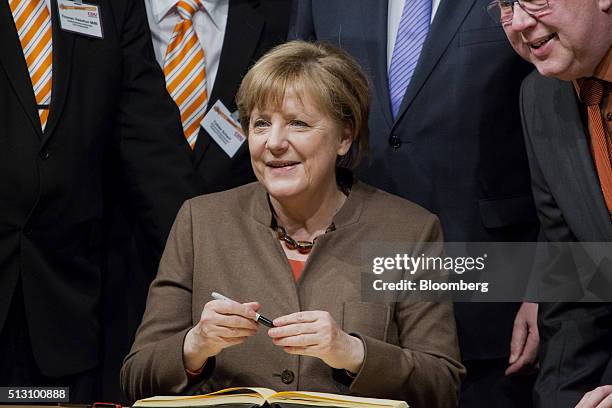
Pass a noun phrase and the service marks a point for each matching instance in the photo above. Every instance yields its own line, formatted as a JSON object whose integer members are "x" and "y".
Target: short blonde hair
{"x": 326, "y": 73}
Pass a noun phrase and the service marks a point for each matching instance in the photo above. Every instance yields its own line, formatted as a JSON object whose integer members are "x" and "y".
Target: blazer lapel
{"x": 63, "y": 43}
{"x": 244, "y": 27}
{"x": 374, "y": 27}
{"x": 582, "y": 176}
{"x": 445, "y": 25}
{"x": 13, "y": 62}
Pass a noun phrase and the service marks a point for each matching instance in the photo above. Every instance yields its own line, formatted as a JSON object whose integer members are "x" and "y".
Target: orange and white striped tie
{"x": 33, "y": 24}
{"x": 185, "y": 71}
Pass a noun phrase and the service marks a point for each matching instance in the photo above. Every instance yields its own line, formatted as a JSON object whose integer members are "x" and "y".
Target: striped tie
{"x": 33, "y": 25}
{"x": 185, "y": 71}
{"x": 411, "y": 34}
{"x": 591, "y": 93}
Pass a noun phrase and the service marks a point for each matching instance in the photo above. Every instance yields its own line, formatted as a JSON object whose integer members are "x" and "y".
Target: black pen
{"x": 258, "y": 318}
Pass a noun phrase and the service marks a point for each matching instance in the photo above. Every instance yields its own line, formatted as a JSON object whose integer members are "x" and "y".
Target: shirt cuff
{"x": 192, "y": 375}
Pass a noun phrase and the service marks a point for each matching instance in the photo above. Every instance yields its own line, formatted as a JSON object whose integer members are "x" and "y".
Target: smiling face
{"x": 294, "y": 148}
{"x": 568, "y": 41}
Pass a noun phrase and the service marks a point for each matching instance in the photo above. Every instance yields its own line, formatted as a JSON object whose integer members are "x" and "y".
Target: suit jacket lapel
{"x": 582, "y": 176}
{"x": 62, "y": 64}
{"x": 244, "y": 27}
{"x": 13, "y": 62}
{"x": 447, "y": 21}
{"x": 374, "y": 27}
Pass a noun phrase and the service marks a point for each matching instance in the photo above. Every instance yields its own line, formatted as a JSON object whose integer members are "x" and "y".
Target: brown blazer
{"x": 223, "y": 242}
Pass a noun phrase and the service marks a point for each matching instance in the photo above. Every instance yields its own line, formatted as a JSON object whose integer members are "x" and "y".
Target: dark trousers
{"x": 18, "y": 366}
{"x": 575, "y": 352}
{"x": 486, "y": 386}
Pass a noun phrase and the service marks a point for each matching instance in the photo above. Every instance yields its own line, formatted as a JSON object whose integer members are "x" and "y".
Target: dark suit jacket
{"x": 109, "y": 105}
{"x": 576, "y": 339}
{"x": 411, "y": 347}
{"x": 456, "y": 147}
{"x": 253, "y": 28}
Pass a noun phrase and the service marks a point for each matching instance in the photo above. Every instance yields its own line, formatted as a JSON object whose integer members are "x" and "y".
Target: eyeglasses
{"x": 502, "y": 11}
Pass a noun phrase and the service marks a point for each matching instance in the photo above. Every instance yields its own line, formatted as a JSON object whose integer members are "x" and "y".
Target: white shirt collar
{"x": 161, "y": 8}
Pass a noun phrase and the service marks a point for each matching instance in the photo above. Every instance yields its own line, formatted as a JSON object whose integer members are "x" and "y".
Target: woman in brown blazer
{"x": 289, "y": 246}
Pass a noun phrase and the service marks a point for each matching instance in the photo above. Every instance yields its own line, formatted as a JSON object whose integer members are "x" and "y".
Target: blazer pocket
{"x": 502, "y": 212}
{"x": 482, "y": 35}
{"x": 370, "y": 319}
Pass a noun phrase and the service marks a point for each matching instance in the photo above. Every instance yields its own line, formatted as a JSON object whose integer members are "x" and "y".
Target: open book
{"x": 259, "y": 396}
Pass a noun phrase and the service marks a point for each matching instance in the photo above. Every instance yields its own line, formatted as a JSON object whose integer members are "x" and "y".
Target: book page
{"x": 235, "y": 395}
{"x": 337, "y": 400}
{"x": 258, "y": 395}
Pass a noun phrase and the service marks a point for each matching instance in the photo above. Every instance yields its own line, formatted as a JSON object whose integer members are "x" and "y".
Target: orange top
{"x": 297, "y": 267}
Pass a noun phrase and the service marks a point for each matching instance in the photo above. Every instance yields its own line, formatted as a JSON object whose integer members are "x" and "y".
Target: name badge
{"x": 224, "y": 129}
{"x": 80, "y": 18}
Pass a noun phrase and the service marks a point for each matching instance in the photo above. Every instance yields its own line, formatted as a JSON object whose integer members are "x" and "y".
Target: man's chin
{"x": 552, "y": 69}
{"x": 562, "y": 74}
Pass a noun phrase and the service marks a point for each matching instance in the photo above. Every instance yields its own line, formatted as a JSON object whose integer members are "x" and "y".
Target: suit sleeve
{"x": 425, "y": 365}
{"x": 554, "y": 227}
{"x": 155, "y": 362}
{"x": 154, "y": 155}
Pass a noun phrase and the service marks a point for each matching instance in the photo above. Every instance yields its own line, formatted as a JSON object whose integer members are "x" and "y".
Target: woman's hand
{"x": 223, "y": 323}
{"x": 316, "y": 334}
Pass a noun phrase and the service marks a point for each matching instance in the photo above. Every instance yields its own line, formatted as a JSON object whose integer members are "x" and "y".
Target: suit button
{"x": 27, "y": 231}
{"x": 287, "y": 376}
{"x": 395, "y": 142}
{"x": 44, "y": 155}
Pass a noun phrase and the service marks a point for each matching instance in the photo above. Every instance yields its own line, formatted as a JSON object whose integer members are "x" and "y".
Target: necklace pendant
{"x": 304, "y": 247}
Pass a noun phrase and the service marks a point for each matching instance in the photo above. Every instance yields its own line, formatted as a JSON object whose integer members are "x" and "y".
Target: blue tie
{"x": 411, "y": 34}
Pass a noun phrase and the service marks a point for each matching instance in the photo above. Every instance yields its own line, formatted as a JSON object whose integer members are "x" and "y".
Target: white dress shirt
{"x": 393, "y": 19}
{"x": 209, "y": 26}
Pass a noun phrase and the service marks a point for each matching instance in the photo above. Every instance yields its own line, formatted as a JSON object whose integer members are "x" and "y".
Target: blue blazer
{"x": 456, "y": 146}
